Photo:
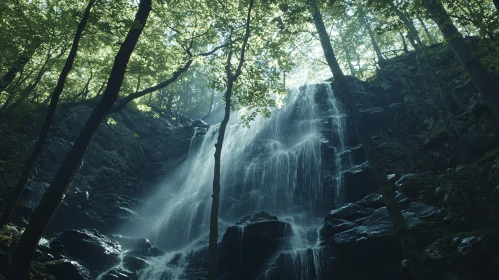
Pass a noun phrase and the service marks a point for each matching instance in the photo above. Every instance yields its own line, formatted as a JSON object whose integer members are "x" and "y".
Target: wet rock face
{"x": 127, "y": 156}
{"x": 248, "y": 246}
{"x": 88, "y": 254}
{"x": 245, "y": 251}
{"x": 361, "y": 235}
{"x": 96, "y": 251}
{"x": 66, "y": 269}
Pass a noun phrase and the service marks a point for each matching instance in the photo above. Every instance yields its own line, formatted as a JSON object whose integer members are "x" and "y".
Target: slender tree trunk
{"x": 406, "y": 50}
{"x": 426, "y": 31}
{"x": 160, "y": 99}
{"x": 402, "y": 232}
{"x": 169, "y": 104}
{"x": 347, "y": 54}
{"x": 84, "y": 91}
{"x": 101, "y": 88}
{"x": 480, "y": 77}
{"x": 357, "y": 58}
{"x": 211, "y": 104}
{"x": 16, "y": 193}
{"x": 367, "y": 25}
{"x": 21, "y": 62}
{"x": 21, "y": 257}
{"x": 177, "y": 109}
{"x": 231, "y": 79}
{"x": 413, "y": 32}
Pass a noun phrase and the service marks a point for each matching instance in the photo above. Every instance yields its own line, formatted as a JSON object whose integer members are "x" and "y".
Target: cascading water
{"x": 277, "y": 166}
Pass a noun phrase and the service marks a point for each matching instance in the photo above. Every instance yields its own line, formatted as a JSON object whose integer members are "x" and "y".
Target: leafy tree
{"x": 54, "y": 100}
{"x": 21, "y": 257}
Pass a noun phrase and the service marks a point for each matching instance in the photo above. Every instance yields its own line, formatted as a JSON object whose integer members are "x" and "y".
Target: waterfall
{"x": 277, "y": 165}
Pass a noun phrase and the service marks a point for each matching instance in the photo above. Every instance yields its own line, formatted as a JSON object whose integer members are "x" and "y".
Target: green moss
{"x": 9, "y": 235}
{"x": 25, "y": 109}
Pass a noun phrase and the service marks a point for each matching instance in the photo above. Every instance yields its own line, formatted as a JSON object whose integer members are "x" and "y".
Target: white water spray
{"x": 274, "y": 166}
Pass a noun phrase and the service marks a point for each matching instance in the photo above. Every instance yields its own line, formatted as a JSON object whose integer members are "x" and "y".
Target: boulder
{"x": 359, "y": 182}
{"x": 475, "y": 252}
{"x": 65, "y": 269}
{"x": 374, "y": 201}
{"x": 366, "y": 239}
{"x": 118, "y": 274}
{"x": 349, "y": 212}
{"x": 91, "y": 248}
{"x": 248, "y": 246}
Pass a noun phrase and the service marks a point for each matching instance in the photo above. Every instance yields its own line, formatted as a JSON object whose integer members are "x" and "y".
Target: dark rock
{"x": 358, "y": 182}
{"x": 334, "y": 226}
{"x": 369, "y": 242}
{"x": 297, "y": 265}
{"x": 377, "y": 225}
{"x": 140, "y": 246}
{"x": 88, "y": 246}
{"x": 258, "y": 217}
{"x": 375, "y": 118}
{"x": 237, "y": 254}
{"x": 77, "y": 198}
{"x": 392, "y": 178}
{"x": 373, "y": 201}
{"x": 118, "y": 274}
{"x": 415, "y": 183}
{"x": 30, "y": 198}
{"x": 65, "y": 269}
{"x": 402, "y": 199}
{"x": 474, "y": 252}
{"x": 134, "y": 263}
{"x": 199, "y": 123}
{"x": 349, "y": 212}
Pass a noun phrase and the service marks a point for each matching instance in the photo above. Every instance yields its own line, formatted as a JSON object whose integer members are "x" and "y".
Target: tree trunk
{"x": 21, "y": 257}
{"x": 16, "y": 193}
{"x": 160, "y": 99}
{"x": 480, "y": 77}
{"x": 426, "y": 31}
{"x": 347, "y": 54}
{"x": 169, "y": 104}
{"x": 413, "y": 35}
{"x": 357, "y": 58}
{"x": 231, "y": 79}
{"x": 84, "y": 91}
{"x": 21, "y": 62}
{"x": 377, "y": 49}
{"x": 496, "y": 3}
{"x": 406, "y": 239}
{"x": 406, "y": 50}
{"x": 211, "y": 104}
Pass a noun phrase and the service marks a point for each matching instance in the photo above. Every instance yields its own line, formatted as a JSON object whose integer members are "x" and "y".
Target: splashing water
{"x": 275, "y": 166}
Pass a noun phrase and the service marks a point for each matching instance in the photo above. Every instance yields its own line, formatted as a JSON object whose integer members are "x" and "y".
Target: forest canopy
{"x": 283, "y": 50}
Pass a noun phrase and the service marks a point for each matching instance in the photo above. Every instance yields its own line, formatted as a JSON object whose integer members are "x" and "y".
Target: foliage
{"x": 283, "y": 49}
